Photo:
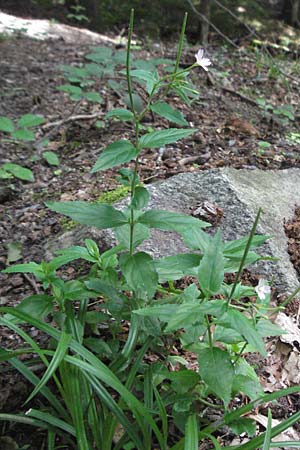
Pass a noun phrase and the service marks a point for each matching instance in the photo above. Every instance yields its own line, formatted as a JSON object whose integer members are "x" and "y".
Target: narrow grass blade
{"x": 51, "y": 421}
{"x": 267, "y": 439}
{"x": 96, "y": 367}
{"x": 58, "y": 356}
{"x": 163, "y": 416}
{"x": 191, "y": 433}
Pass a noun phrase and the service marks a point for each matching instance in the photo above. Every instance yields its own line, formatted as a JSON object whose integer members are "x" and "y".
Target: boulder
{"x": 239, "y": 194}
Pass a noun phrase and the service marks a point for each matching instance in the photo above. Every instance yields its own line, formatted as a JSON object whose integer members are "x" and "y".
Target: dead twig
{"x": 240, "y": 95}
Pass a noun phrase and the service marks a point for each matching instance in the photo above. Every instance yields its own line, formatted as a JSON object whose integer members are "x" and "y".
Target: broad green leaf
{"x": 166, "y": 111}
{"x": 120, "y": 113}
{"x": 23, "y": 135}
{"x": 164, "y": 137}
{"x": 30, "y": 120}
{"x": 191, "y": 433}
{"x": 51, "y": 158}
{"x": 140, "y": 234}
{"x": 217, "y": 371}
{"x": 176, "y": 266}
{"x": 141, "y": 198}
{"x": 37, "y": 305}
{"x": 93, "y": 97}
{"x": 93, "y": 215}
{"x": 192, "y": 313}
{"x": 18, "y": 171}
{"x": 70, "y": 89}
{"x": 100, "y": 54}
{"x": 170, "y": 221}
{"x": 233, "y": 261}
{"x": 139, "y": 272}
{"x": 115, "y": 154}
{"x": 243, "y": 425}
{"x": 196, "y": 239}
{"x": 211, "y": 268}
{"x": 266, "y": 328}
{"x": 247, "y": 386}
{"x": 93, "y": 69}
{"x": 237, "y": 321}
{"x": 163, "y": 312}
{"x": 150, "y": 78}
{"x": 6, "y": 125}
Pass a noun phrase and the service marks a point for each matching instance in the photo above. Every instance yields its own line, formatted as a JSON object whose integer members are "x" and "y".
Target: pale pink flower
{"x": 262, "y": 289}
{"x": 201, "y": 61}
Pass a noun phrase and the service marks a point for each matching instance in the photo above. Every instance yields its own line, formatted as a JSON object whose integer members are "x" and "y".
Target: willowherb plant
{"x": 108, "y": 392}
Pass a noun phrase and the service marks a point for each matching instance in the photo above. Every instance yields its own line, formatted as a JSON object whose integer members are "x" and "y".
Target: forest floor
{"x": 247, "y": 116}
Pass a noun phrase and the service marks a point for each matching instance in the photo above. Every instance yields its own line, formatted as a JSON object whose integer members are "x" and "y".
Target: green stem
{"x": 246, "y": 251}
{"x": 180, "y": 44}
{"x": 130, "y": 30}
{"x": 209, "y": 332}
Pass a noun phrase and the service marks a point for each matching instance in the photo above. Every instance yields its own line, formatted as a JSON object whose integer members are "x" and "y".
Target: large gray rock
{"x": 240, "y": 193}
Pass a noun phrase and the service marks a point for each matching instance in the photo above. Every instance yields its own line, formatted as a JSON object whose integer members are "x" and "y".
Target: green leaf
{"x": 51, "y": 158}
{"x": 4, "y": 175}
{"x": 236, "y": 320}
{"x": 196, "y": 239}
{"x": 23, "y": 135}
{"x": 217, "y": 372}
{"x": 139, "y": 272}
{"x": 170, "y": 221}
{"x": 37, "y": 306}
{"x": 166, "y": 111}
{"x": 120, "y": 113}
{"x": 267, "y": 439}
{"x": 164, "y": 137}
{"x": 150, "y": 78}
{"x": 138, "y": 103}
{"x": 176, "y": 266}
{"x": 14, "y": 251}
{"x": 70, "y": 89}
{"x": 238, "y": 245}
{"x": 6, "y": 125}
{"x": 31, "y": 267}
{"x": 93, "y": 215}
{"x": 243, "y": 425}
{"x": 115, "y": 154}
{"x": 30, "y": 120}
{"x": 58, "y": 356}
{"x": 192, "y": 313}
{"x": 191, "y": 433}
{"x": 100, "y": 54}
{"x": 141, "y": 198}
{"x": 18, "y": 171}
{"x": 93, "y": 97}
{"x": 211, "y": 269}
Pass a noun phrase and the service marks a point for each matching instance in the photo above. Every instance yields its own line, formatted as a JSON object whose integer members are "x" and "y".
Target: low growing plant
{"x": 116, "y": 381}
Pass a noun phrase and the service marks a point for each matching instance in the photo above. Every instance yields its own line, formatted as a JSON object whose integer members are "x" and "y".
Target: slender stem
{"x": 180, "y": 44}
{"x": 247, "y": 248}
{"x": 130, "y": 30}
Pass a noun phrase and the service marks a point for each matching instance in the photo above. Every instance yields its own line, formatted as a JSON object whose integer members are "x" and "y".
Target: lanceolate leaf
{"x": 166, "y": 111}
{"x": 217, "y": 371}
{"x": 191, "y": 433}
{"x": 93, "y": 215}
{"x": 114, "y": 155}
{"x": 211, "y": 269}
{"x": 176, "y": 266}
{"x": 170, "y": 221}
{"x": 164, "y": 137}
{"x": 140, "y": 273}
